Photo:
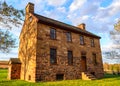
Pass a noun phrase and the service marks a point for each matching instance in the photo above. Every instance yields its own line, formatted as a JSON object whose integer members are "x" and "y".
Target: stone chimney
{"x": 81, "y": 26}
{"x": 29, "y": 8}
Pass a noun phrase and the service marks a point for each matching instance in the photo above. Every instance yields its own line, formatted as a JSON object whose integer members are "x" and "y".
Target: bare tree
{"x": 9, "y": 17}
{"x": 114, "y": 53}
{"x": 117, "y": 26}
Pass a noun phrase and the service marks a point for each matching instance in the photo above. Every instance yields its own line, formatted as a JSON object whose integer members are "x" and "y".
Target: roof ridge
{"x": 47, "y": 20}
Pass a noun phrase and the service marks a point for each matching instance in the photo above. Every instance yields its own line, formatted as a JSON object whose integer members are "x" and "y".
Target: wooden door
{"x": 83, "y": 63}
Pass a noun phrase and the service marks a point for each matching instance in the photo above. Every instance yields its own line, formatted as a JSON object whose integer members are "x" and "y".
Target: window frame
{"x": 52, "y": 34}
{"x": 59, "y": 77}
{"x": 92, "y": 41}
{"x": 82, "y": 42}
{"x": 94, "y": 58}
{"x": 30, "y": 18}
{"x": 70, "y": 58}
{"x": 52, "y": 56}
{"x": 68, "y": 36}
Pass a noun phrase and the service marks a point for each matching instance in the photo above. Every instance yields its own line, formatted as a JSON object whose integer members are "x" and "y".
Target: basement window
{"x": 59, "y": 76}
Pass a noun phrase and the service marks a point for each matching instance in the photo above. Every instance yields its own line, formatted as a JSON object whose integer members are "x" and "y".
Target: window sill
{"x": 69, "y": 64}
{"x": 82, "y": 44}
{"x": 53, "y": 64}
{"x": 69, "y": 42}
{"x": 53, "y": 39}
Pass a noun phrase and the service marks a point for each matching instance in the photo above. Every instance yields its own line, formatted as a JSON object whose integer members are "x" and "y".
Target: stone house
{"x": 50, "y": 50}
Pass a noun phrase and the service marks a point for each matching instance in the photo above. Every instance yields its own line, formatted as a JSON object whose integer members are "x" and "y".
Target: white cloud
{"x": 85, "y": 17}
{"x": 76, "y": 20}
{"x": 61, "y": 9}
{"x": 107, "y": 47}
{"x": 7, "y": 56}
{"x": 114, "y": 7}
{"x": 76, "y": 4}
{"x": 105, "y": 13}
{"x": 56, "y": 2}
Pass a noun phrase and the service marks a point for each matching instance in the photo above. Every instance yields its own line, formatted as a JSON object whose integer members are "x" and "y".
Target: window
{"x": 52, "y": 33}
{"x": 29, "y": 77}
{"x": 81, "y": 40}
{"x": 94, "y": 59}
{"x": 59, "y": 76}
{"x": 30, "y": 19}
{"x": 53, "y": 56}
{"x": 70, "y": 57}
{"x": 92, "y": 43}
{"x": 68, "y": 36}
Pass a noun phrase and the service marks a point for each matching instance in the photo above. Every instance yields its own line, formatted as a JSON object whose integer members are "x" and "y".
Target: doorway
{"x": 83, "y": 63}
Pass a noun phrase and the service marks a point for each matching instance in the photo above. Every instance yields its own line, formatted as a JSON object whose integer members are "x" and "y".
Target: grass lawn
{"x": 108, "y": 80}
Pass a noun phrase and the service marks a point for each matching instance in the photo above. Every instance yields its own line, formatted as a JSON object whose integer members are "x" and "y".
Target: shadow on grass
{"x": 5, "y": 81}
{"x": 111, "y": 76}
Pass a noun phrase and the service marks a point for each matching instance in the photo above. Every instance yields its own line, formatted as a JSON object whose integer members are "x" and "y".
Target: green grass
{"x": 3, "y": 74}
{"x": 108, "y": 80}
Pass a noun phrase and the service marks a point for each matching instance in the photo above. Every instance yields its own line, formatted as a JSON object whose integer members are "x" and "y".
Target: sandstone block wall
{"x": 47, "y": 72}
{"x": 14, "y": 71}
{"x": 27, "y": 49}
{"x": 34, "y": 51}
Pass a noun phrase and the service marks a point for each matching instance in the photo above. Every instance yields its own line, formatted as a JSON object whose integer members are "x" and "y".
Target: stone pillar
{"x": 30, "y": 8}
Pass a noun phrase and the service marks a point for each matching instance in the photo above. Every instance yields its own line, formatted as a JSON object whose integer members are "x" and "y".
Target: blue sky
{"x": 98, "y": 15}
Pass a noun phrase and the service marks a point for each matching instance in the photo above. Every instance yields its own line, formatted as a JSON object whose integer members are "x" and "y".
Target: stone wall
{"x": 27, "y": 49}
{"x": 34, "y": 52}
{"x": 47, "y": 72}
{"x": 14, "y": 71}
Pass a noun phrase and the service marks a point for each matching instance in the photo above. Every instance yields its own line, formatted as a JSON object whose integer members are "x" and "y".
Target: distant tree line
{"x": 114, "y": 52}
{"x": 112, "y": 68}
